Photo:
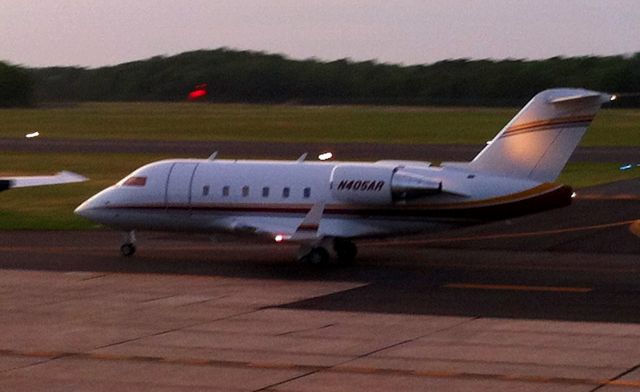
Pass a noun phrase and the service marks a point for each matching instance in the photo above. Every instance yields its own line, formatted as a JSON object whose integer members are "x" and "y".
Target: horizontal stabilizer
{"x": 577, "y": 98}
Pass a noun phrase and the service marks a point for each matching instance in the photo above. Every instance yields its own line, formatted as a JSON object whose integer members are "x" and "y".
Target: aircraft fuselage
{"x": 360, "y": 199}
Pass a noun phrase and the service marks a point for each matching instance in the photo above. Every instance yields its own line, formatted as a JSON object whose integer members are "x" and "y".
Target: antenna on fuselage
{"x": 213, "y": 156}
{"x": 302, "y": 157}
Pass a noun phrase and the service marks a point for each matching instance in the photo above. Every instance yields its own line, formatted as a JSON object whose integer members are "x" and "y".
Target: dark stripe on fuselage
{"x": 547, "y": 197}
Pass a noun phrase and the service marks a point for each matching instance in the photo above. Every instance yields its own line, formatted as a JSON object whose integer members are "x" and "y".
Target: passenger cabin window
{"x": 135, "y": 181}
{"x": 225, "y": 190}
{"x": 245, "y": 191}
{"x": 265, "y": 191}
{"x": 306, "y": 193}
{"x": 205, "y": 190}
{"x": 285, "y": 192}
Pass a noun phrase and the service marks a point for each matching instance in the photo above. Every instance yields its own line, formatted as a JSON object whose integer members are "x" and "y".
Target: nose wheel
{"x": 129, "y": 247}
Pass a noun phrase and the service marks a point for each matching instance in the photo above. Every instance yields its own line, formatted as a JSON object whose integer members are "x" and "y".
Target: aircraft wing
{"x": 63, "y": 177}
{"x": 305, "y": 231}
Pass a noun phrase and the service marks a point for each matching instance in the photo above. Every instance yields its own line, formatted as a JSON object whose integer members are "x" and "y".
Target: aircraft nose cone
{"x": 93, "y": 208}
{"x": 81, "y": 210}
{"x": 87, "y": 210}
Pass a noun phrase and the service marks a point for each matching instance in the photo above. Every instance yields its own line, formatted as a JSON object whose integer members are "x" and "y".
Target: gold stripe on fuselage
{"x": 544, "y": 124}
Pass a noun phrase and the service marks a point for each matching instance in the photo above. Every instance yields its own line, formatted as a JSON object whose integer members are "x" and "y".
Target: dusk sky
{"x": 106, "y": 32}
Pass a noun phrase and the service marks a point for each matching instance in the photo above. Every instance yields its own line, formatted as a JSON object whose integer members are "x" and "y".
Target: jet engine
{"x": 367, "y": 184}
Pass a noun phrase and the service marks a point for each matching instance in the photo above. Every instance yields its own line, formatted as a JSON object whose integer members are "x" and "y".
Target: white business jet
{"x": 63, "y": 177}
{"x": 325, "y": 205}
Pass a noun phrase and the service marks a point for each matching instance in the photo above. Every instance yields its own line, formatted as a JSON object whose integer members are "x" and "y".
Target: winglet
{"x": 308, "y": 228}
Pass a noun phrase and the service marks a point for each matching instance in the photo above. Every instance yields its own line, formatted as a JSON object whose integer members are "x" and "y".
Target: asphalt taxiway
{"x": 539, "y": 303}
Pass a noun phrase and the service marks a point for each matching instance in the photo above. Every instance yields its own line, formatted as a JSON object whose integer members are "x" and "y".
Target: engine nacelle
{"x": 405, "y": 185}
{"x": 370, "y": 184}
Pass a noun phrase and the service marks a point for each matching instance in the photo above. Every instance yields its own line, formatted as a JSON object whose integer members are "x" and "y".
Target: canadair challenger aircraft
{"x": 325, "y": 205}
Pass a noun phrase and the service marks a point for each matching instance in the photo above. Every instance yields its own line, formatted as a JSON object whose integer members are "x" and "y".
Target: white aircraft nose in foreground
{"x": 325, "y": 205}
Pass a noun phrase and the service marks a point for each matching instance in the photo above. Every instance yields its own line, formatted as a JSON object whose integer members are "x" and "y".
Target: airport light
{"x": 626, "y": 167}
{"x": 325, "y": 155}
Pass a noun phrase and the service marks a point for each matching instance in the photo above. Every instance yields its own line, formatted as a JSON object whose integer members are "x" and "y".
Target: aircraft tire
{"x": 345, "y": 250}
{"x": 128, "y": 250}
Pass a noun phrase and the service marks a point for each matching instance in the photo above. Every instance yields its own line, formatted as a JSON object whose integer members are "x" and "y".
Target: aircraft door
{"x": 179, "y": 184}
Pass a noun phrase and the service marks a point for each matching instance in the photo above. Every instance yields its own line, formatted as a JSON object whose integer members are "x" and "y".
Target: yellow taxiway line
{"x": 634, "y": 225}
{"x": 511, "y": 287}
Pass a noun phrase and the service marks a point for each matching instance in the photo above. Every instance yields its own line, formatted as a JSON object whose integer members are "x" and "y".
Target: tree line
{"x": 16, "y": 86}
{"x": 257, "y": 77}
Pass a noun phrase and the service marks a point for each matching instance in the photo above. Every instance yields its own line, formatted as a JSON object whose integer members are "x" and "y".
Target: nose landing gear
{"x": 128, "y": 248}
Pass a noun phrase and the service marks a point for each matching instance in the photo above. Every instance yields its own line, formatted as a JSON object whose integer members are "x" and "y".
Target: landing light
{"x": 32, "y": 135}
{"x": 573, "y": 195}
{"x": 325, "y": 155}
{"x": 282, "y": 237}
{"x": 613, "y": 97}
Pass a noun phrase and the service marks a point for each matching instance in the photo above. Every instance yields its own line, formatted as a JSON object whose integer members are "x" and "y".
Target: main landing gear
{"x": 343, "y": 248}
{"x": 346, "y": 251}
{"x": 128, "y": 248}
{"x": 316, "y": 256}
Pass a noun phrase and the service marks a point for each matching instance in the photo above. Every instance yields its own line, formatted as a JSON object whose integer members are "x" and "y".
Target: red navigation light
{"x": 199, "y": 92}
{"x": 195, "y": 94}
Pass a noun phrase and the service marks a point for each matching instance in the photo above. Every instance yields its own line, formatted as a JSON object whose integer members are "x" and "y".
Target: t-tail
{"x": 537, "y": 143}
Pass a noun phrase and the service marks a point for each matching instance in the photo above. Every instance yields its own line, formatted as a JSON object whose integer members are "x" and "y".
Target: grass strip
{"x": 210, "y": 122}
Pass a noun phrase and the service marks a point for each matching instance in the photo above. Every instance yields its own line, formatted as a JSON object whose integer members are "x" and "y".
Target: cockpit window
{"x": 135, "y": 181}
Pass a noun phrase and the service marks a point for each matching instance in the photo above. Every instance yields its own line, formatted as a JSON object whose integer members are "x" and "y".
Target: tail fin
{"x": 537, "y": 143}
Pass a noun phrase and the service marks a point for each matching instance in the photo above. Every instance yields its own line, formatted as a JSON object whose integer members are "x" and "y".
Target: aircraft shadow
{"x": 420, "y": 298}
